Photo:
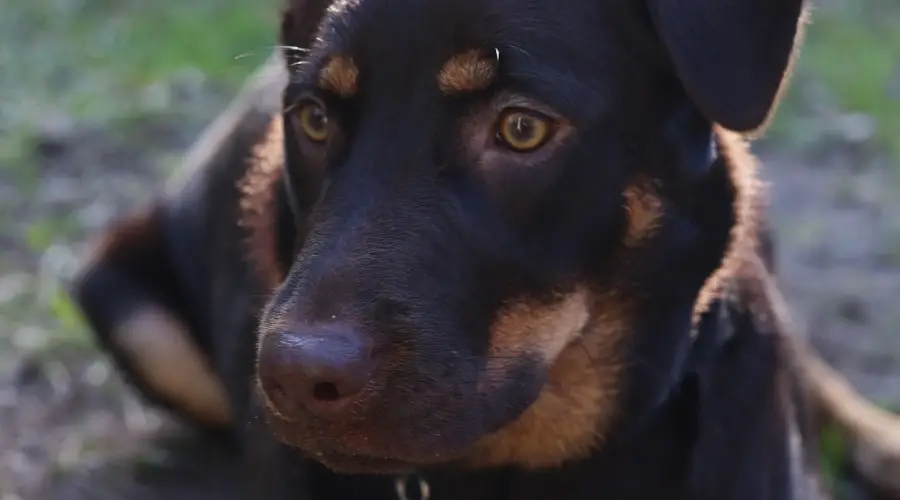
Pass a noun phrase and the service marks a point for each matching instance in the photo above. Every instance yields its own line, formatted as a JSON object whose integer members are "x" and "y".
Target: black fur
{"x": 394, "y": 230}
{"x": 731, "y": 55}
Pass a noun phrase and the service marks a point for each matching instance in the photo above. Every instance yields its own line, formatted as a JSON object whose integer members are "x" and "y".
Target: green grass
{"x": 848, "y": 64}
{"x": 112, "y": 63}
{"x": 95, "y": 57}
{"x": 833, "y": 456}
{"x": 107, "y": 65}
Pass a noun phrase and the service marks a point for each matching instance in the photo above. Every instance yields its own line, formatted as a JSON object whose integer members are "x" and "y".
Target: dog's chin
{"x": 361, "y": 464}
{"x": 345, "y": 461}
{"x": 360, "y": 454}
{"x": 376, "y": 451}
{"x": 431, "y": 434}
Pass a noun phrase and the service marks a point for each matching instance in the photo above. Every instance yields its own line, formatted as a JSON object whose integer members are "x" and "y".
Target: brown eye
{"x": 314, "y": 121}
{"x": 523, "y": 131}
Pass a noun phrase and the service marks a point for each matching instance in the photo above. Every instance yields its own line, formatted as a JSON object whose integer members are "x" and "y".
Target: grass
{"x": 847, "y": 80}
{"x": 105, "y": 59}
{"x": 833, "y": 456}
{"x": 109, "y": 66}
{"x": 114, "y": 81}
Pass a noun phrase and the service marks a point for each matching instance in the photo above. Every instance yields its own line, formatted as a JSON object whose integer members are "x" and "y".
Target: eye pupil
{"x": 314, "y": 121}
{"x": 523, "y": 131}
{"x": 523, "y": 128}
{"x": 317, "y": 118}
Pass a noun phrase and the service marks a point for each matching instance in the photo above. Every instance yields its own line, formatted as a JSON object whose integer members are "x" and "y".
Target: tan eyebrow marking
{"x": 467, "y": 72}
{"x": 340, "y": 76}
{"x": 644, "y": 213}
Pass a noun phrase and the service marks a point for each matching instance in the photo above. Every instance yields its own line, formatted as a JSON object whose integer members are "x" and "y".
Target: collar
{"x": 412, "y": 487}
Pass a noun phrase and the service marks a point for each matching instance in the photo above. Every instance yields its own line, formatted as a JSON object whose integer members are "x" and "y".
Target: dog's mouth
{"x": 388, "y": 442}
{"x": 368, "y": 448}
{"x": 364, "y": 464}
{"x": 415, "y": 415}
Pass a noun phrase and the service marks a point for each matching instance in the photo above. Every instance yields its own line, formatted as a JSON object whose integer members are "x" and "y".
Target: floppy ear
{"x": 134, "y": 298}
{"x": 731, "y": 55}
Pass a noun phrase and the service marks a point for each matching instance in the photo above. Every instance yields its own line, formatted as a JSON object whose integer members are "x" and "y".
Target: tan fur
{"x": 161, "y": 351}
{"x": 578, "y": 402}
{"x": 340, "y": 75}
{"x": 644, "y": 210}
{"x": 257, "y": 204}
{"x": 466, "y": 72}
{"x": 743, "y": 244}
{"x": 579, "y": 335}
{"x": 540, "y": 330}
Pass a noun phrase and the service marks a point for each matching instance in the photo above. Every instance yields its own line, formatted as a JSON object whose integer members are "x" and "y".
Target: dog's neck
{"x": 680, "y": 433}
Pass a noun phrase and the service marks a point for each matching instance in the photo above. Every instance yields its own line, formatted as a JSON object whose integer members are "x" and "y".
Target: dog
{"x": 479, "y": 249}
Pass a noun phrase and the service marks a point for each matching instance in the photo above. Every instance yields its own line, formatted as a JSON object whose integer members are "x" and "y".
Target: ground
{"x": 98, "y": 98}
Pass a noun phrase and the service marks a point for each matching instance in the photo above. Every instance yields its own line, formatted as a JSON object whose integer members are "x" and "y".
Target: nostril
{"x": 279, "y": 396}
{"x": 314, "y": 370}
{"x": 276, "y": 390}
{"x": 326, "y": 392}
{"x": 273, "y": 388}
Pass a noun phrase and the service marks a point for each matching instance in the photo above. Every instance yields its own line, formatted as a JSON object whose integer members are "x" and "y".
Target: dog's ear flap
{"x": 732, "y": 56}
{"x": 299, "y": 23}
{"x": 134, "y": 299}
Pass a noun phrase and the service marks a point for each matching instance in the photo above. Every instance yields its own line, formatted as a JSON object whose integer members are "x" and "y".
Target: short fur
{"x": 340, "y": 75}
{"x": 467, "y": 72}
{"x": 591, "y": 319}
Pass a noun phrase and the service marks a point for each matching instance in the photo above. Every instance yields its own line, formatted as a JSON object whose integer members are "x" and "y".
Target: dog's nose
{"x": 314, "y": 369}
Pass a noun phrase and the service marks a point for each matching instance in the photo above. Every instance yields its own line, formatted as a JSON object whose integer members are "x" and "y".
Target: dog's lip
{"x": 344, "y": 457}
{"x": 364, "y": 464}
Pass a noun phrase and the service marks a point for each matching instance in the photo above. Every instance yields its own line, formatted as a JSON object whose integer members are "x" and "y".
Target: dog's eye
{"x": 522, "y": 130}
{"x": 314, "y": 121}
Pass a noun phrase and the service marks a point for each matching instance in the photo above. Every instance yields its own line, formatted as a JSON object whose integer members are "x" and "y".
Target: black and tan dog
{"x": 507, "y": 249}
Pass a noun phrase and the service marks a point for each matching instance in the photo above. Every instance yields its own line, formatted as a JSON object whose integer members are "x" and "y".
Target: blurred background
{"x": 99, "y": 99}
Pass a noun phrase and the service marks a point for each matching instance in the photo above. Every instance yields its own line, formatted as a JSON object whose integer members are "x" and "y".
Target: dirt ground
{"x": 839, "y": 237}
{"x": 835, "y": 205}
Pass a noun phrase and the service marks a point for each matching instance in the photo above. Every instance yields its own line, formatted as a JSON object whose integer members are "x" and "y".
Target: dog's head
{"x": 506, "y": 213}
